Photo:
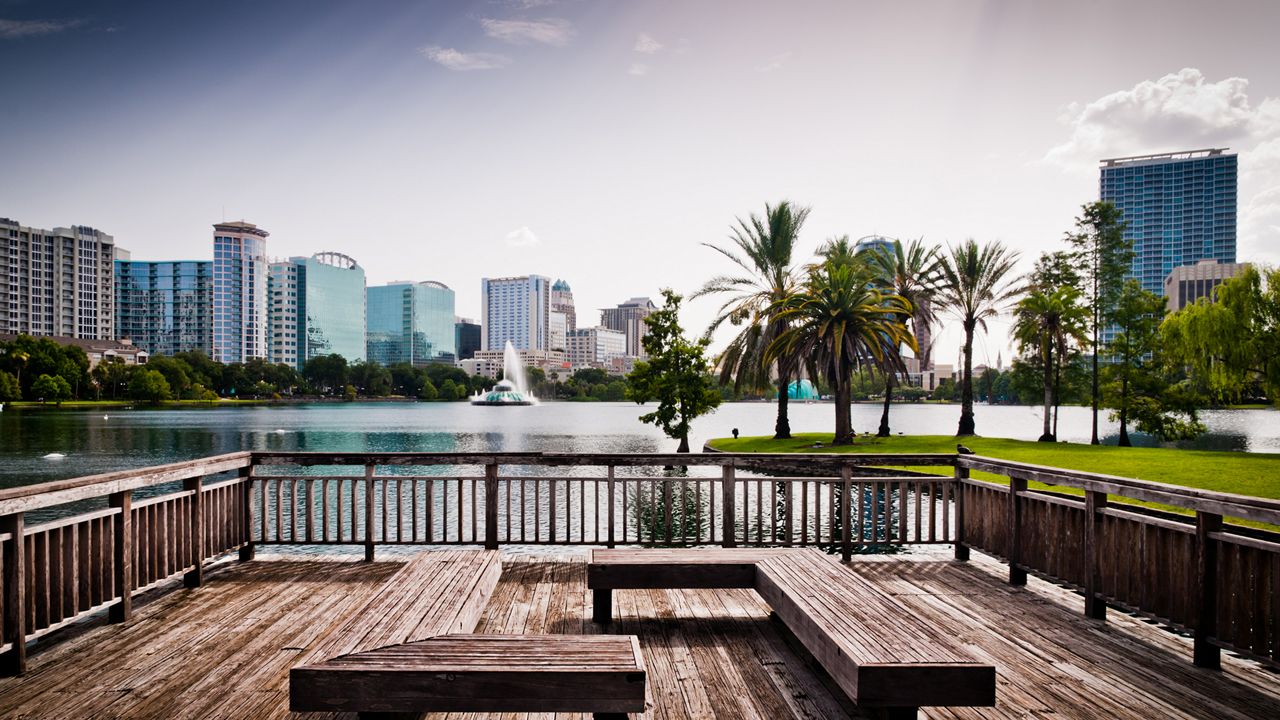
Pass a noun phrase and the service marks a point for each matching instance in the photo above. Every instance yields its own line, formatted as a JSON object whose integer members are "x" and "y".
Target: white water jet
{"x": 513, "y": 388}
{"x": 513, "y": 370}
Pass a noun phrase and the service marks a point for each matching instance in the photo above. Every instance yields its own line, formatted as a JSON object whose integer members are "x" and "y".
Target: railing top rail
{"x": 58, "y": 492}
{"x": 744, "y": 461}
{"x": 1247, "y": 507}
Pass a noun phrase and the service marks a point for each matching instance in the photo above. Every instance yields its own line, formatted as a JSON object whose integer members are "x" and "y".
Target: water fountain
{"x": 513, "y": 389}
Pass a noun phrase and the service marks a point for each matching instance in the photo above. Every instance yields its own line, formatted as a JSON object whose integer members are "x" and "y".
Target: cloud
{"x": 550, "y": 31}
{"x": 775, "y": 62}
{"x": 647, "y": 45}
{"x": 15, "y": 29}
{"x": 1184, "y": 111}
{"x": 458, "y": 60}
{"x": 1178, "y": 111}
{"x": 522, "y": 237}
{"x": 638, "y": 69}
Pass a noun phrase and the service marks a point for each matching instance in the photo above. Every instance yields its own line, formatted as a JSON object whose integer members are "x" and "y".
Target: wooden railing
{"x": 119, "y": 534}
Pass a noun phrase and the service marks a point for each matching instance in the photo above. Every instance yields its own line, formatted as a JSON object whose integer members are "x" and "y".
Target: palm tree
{"x": 911, "y": 272}
{"x": 839, "y": 321}
{"x": 1048, "y": 321}
{"x": 974, "y": 288}
{"x": 766, "y": 278}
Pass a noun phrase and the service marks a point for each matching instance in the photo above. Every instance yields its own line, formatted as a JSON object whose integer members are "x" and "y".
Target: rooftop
{"x": 1162, "y": 157}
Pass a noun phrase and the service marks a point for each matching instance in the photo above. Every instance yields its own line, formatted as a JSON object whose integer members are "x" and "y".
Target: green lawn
{"x": 1236, "y": 472}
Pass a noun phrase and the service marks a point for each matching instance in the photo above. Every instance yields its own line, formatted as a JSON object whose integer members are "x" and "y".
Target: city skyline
{"x": 491, "y": 140}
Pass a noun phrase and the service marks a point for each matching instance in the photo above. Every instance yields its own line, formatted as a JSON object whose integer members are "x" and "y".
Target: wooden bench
{"x": 409, "y": 652}
{"x": 879, "y": 652}
{"x": 599, "y": 674}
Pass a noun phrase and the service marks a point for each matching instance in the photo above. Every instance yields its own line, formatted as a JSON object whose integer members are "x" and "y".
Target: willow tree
{"x": 839, "y": 321}
{"x": 762, "y": 249}
{"x": 976, "y": 285}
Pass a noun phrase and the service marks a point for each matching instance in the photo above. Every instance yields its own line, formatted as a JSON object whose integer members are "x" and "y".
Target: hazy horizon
{"x": 603, "y": 142}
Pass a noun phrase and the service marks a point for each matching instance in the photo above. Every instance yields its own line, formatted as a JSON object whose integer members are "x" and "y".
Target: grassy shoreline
{"x": 1256, "y": 474}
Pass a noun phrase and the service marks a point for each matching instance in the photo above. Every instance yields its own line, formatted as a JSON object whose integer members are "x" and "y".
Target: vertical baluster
{"x": 413, "y": 509}
{"x": 946, "y": 511}
{"x": 862, "y": 514}
{"x": 933, "y": 511}
{"x": 524, "y": 508}
{"x": 53, "y": 580}
{"x": 368, "y": 511}
{"x": 846, "y": 485}
{"x": 430, "y": 509}
{"x": 84, "y": 553}
{"x": 384, "y": 483}
{"x": 551, "y": 514}
{"x": 508, "y": 486}
{"x": 537, "y": 510}
{"x": 444, "y": 510}
{"x": 610, "y": 490}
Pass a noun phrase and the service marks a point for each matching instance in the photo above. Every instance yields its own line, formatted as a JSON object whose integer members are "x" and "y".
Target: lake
{"x": 105, "y": 440}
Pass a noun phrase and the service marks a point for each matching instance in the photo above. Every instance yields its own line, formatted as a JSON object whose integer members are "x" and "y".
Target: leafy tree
{"x": 370, "y": 378}
{"x": 1233, "y": 342}
{"x": 428, "y": 391}
{"x": 9, "y": 389}
{"x": 675, "y": 374}
{"x": 583, "y": 378}
{"x": 51, "y": 387}
{"x": 449, "y": 391}
{"x": 406, "y": 379}
{"x": 1104, "y": 256}
{"x": 756, "y": 291}
{"x": 326, "y": 373}
{"x": 1046, "y": 322}
{"x": 174, "y": 372}
{"x": 975, "y": 286}
{"x": 615, "y": 391}
{"x": 840, "y": 320}
{"x": 149, "y": 385}
{"x": 946, "y": 390}
{"x": 1135, "y": 388}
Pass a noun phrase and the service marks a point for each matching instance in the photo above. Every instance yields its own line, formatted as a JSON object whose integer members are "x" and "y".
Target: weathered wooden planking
{"x": 879, "y": 652}
{"x": 480, "y": 673}
{"x": 435, "y": 593}
{"x": 654, "y": 569}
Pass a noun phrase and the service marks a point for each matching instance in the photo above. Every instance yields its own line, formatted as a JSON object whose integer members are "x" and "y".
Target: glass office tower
{"x": 411, "y": 323}
{"x": 165, "y": 307}
{"x": 317, "y": 308}
{"x": 1180, "y": 209}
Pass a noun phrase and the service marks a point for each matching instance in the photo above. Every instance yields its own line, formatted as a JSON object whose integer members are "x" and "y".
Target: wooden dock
{"x": 224, "y": 649}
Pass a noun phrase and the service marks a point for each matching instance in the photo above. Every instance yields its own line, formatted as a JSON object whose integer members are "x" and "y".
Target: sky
{"x": 605, "y": 142}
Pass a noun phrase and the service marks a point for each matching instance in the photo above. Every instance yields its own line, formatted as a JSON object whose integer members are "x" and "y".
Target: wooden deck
{"x": 224, "y": 650}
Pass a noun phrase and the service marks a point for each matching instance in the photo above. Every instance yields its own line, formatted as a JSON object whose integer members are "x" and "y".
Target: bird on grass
{"x": 964, "y": 450}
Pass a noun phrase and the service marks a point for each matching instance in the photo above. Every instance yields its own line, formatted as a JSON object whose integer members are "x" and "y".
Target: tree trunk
{"x": 1124, "y": 414}
{"x": 888, "y": 398}
{"x": 844, "y": 433}
{"x": 1057, "y": 393}
{"x": 684, "y": 444}
{"x": 967, "y": 425}
{"x": 782, "y": 428}
{"x": 1048, "y": 435}
{"x": 1097, "y": 318}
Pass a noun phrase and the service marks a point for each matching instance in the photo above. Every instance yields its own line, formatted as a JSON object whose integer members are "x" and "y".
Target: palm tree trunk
{"x": 888, "y": 398}
{"x": 1057, "y": 392}
{"x": 967, "y": 425}
{"x": 1047, "y": 435}
{"x": 844, "y": 433}
{"x": 782, "y": 428}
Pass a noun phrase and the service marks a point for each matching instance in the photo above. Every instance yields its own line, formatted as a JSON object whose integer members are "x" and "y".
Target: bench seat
{"x": 601, "y": 674}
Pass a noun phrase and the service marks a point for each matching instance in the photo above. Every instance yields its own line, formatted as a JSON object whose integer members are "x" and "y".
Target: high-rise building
{"x": 1189, "y": 283}
{"x": 321, "y": 301}
{"x": 563, "y": 318}
{"x": 515, "y": 309}
{"x": 165, "y": 307}
{"x": 467, "y": 338}
{"x": 1180, "y": 208}
{"x": 57, "y": 282}
{"x": 240, "y": 308}
{"x": 596, "y": 346}
{"x": 878, "y": 243}
{"x": 411, "y": 322}
{"x": 628, "y": 318}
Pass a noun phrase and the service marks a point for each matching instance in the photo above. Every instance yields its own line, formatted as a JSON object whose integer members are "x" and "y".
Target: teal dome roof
{"x": 801, "y": 390}
{"x": 561, "y": 286}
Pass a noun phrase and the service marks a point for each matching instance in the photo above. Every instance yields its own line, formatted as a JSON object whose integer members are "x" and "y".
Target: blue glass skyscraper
{"x": 411, "y": 323}
{"x": 165, "y": 307}
{"x": 1180, "y": 209}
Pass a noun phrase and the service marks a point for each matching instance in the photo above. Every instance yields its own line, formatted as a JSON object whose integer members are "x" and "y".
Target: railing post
{"x": 1017, "y": 575}
{"x": 122, "y": 551}
{"x": 195, "y": 576}
{"x": 491, "y": 506}
{"x": 368, "y": 512}
{"x": 1207, "y": 655}
{"x": 611, "y": 507}
{"x": 1095, "y": 605}
{"x": 14, "y": 662}
{"x": 246, "y": 516}
{"x": 846, "y": 519}
{"x": 728, "y": 493}
{"x": 962, "y": 549}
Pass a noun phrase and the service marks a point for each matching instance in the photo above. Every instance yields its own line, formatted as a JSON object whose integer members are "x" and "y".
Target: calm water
{"x": 101, "y": 441}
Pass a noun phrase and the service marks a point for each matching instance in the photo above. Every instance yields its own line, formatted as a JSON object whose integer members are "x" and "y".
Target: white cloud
{"x": 522, "y": 237}
{"x": 458, "y": 60}
{"x": 1183, "y": 111}
{"x": 638, "y": 69}
{"x": 550, "y": 31}
{"x": 14, "y": 29}
{"x": 647, "y": 45}
{"x": 1180, "y": 111}
{"x": 775, "y": 62}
